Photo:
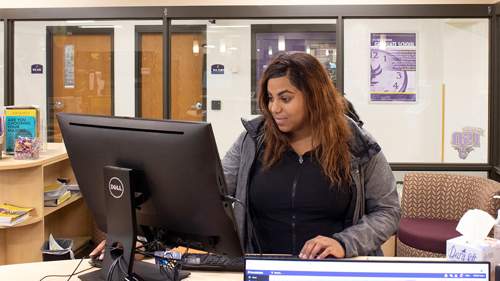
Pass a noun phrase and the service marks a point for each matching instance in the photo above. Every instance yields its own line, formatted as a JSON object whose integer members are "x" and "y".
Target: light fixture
{"x": 228, "y": 26}
{"x": 308, "y": 50}
{"x": 270, "y": 51}
{"x": 100, "y": 26}
{"x": 196, "y": 47}
{"x": 222, "y": 46}
{"x": 281, "y": 43}
{"x": 80, "y": 21}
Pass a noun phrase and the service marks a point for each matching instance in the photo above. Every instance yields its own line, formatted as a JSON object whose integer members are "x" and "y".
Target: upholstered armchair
{"x": 432, "y": 204}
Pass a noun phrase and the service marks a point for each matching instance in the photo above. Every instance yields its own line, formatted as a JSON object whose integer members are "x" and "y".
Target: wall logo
{"x": 36, "y": 69}
{"x": 217, "y": 69}
{"x": 116, "y": 187}
{"x": 465, "y": 142}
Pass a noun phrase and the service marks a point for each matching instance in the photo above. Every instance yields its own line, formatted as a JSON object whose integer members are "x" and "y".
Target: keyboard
{"x": 212, "y": 262}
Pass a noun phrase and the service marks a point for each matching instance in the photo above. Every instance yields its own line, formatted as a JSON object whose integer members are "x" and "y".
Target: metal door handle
{"x": 197, "y": 106}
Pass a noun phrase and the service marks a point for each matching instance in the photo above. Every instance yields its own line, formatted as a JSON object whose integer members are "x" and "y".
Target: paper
{"x": 53, "y": 245}
{"x": 475, "y": 225}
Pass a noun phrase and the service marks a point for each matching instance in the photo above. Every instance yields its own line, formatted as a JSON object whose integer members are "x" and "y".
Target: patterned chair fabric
{"x": 444, "y": 197}
{"x": 447, "y": 196}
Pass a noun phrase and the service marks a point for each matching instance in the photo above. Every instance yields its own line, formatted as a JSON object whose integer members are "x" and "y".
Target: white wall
{"x": 455, "y": 55}
{"x": 30, "y": 48}
{"x": 465, "y": 74}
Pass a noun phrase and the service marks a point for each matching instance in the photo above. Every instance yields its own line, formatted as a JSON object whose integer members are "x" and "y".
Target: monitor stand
{"x": 119, "y": 186}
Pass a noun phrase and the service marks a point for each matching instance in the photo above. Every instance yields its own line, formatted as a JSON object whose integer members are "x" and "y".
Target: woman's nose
{"x": 274, "y": 107}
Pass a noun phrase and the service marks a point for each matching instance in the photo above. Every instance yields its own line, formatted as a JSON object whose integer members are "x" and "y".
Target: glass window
{"x": 318, "y": 40}
{"x": 421, "y": 86}
{"x": 90, "y": 66}
{"x": 219, "y": 85}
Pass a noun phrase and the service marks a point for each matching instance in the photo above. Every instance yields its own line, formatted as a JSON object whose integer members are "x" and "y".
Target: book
{"x": 20, "y": 121}
{"x": 11, "y": 215}
{"x": 58, "y": 201}
{"x": 54, "y": 190}
{"x": 2, "y": 130}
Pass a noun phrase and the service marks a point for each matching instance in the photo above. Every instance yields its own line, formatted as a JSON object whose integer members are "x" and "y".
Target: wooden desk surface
{"x": 37, "y": 270}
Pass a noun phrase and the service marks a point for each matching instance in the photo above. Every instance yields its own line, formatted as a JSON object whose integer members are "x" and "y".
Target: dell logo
{"x": 116, "y": 187}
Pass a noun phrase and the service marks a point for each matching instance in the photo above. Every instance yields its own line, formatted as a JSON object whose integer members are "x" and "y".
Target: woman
{"x": 314, "y": 184}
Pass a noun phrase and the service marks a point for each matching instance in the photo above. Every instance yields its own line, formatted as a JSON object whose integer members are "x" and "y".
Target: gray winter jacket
{"x": 377, "y": 211}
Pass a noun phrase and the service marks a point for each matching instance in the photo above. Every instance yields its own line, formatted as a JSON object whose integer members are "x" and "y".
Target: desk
{"x": 35, "y": 271}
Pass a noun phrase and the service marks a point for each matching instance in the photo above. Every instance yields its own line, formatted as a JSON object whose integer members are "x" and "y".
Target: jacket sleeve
{"x": 231, "y": 164}
{"x": 382, "y": 210}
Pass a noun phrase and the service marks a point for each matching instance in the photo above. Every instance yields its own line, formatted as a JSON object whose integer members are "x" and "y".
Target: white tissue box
{"x": 459, "y": 249}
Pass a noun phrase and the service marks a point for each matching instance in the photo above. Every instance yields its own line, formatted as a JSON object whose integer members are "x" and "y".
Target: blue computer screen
{"x": 264, "y": 269}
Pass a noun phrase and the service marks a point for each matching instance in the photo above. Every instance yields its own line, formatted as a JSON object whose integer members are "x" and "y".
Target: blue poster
{"x": 393, "y": 67}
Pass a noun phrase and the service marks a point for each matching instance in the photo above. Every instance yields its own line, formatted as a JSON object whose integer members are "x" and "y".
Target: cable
{"x": 72, "y": 273}
{"x": 69, "y": 275}
{"x": 111, "y": 269}
{"x": 254, "y": 231}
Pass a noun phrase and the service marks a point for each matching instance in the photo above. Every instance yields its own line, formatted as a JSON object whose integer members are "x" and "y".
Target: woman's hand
{"x": 98, "y": 251}
{"x": 321, "y": 247}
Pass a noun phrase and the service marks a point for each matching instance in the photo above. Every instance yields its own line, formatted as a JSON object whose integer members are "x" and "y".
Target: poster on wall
{"x": 69, "y": 66}
{"x": 393, "y": 64}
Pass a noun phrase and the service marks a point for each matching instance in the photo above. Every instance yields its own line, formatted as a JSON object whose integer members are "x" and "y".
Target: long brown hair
{"x": 324, "y": 111}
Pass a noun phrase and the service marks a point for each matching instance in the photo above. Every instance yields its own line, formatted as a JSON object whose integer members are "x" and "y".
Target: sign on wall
{"x": 36, "y": 69}
{"x": 69, "y": 66}
{"x": 466, "y": 140}
{"x": 393, "y": 64}
{"x": 217, "y": 69}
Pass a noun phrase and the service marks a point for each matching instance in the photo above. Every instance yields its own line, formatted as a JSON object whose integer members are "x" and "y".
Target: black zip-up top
{"x": 376, "y": 213}
{"x": 292, "y": 202}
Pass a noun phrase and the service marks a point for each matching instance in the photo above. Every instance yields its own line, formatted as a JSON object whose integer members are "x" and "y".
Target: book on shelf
{"x": 59, "y": 200}
{"x": 11, "y": 215}
{"x": 55, "y": 193}
{"x": 20, "y": 121}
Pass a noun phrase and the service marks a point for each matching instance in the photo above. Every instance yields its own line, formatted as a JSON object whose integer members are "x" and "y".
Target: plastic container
{"x": 65, "y": 254}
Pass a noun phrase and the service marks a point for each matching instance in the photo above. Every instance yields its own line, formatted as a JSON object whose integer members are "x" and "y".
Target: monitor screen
{"x": 272, "y": 269}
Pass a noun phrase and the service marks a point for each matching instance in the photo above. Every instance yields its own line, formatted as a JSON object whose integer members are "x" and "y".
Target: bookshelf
{"x": 21, "y": 183}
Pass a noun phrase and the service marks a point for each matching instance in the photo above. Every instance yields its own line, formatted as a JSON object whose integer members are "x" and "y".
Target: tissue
{"x": 474, "y": 245}
{"x": 475, "y": 225}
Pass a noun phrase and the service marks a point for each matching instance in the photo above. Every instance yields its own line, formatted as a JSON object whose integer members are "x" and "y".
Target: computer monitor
{"x": 151, "y": 172}
{"x": 277, "y": 269}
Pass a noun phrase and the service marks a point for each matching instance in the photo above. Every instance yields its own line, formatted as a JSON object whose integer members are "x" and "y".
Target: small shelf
{"x": 30, "y": 220}
{"x": 22, "y": 183}
{"x": 74, "y": 197}
{"x": 54, "y": 153}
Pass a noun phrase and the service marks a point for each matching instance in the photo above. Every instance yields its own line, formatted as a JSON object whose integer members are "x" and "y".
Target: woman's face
{"x": 287, "y": 105}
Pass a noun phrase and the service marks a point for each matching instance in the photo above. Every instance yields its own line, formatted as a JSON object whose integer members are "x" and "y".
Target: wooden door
{"x": 81, "y": 77}
{"x": 152, "y": 75}
{"x": 187, "y": 101}
{"x": 187, "y": 63}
